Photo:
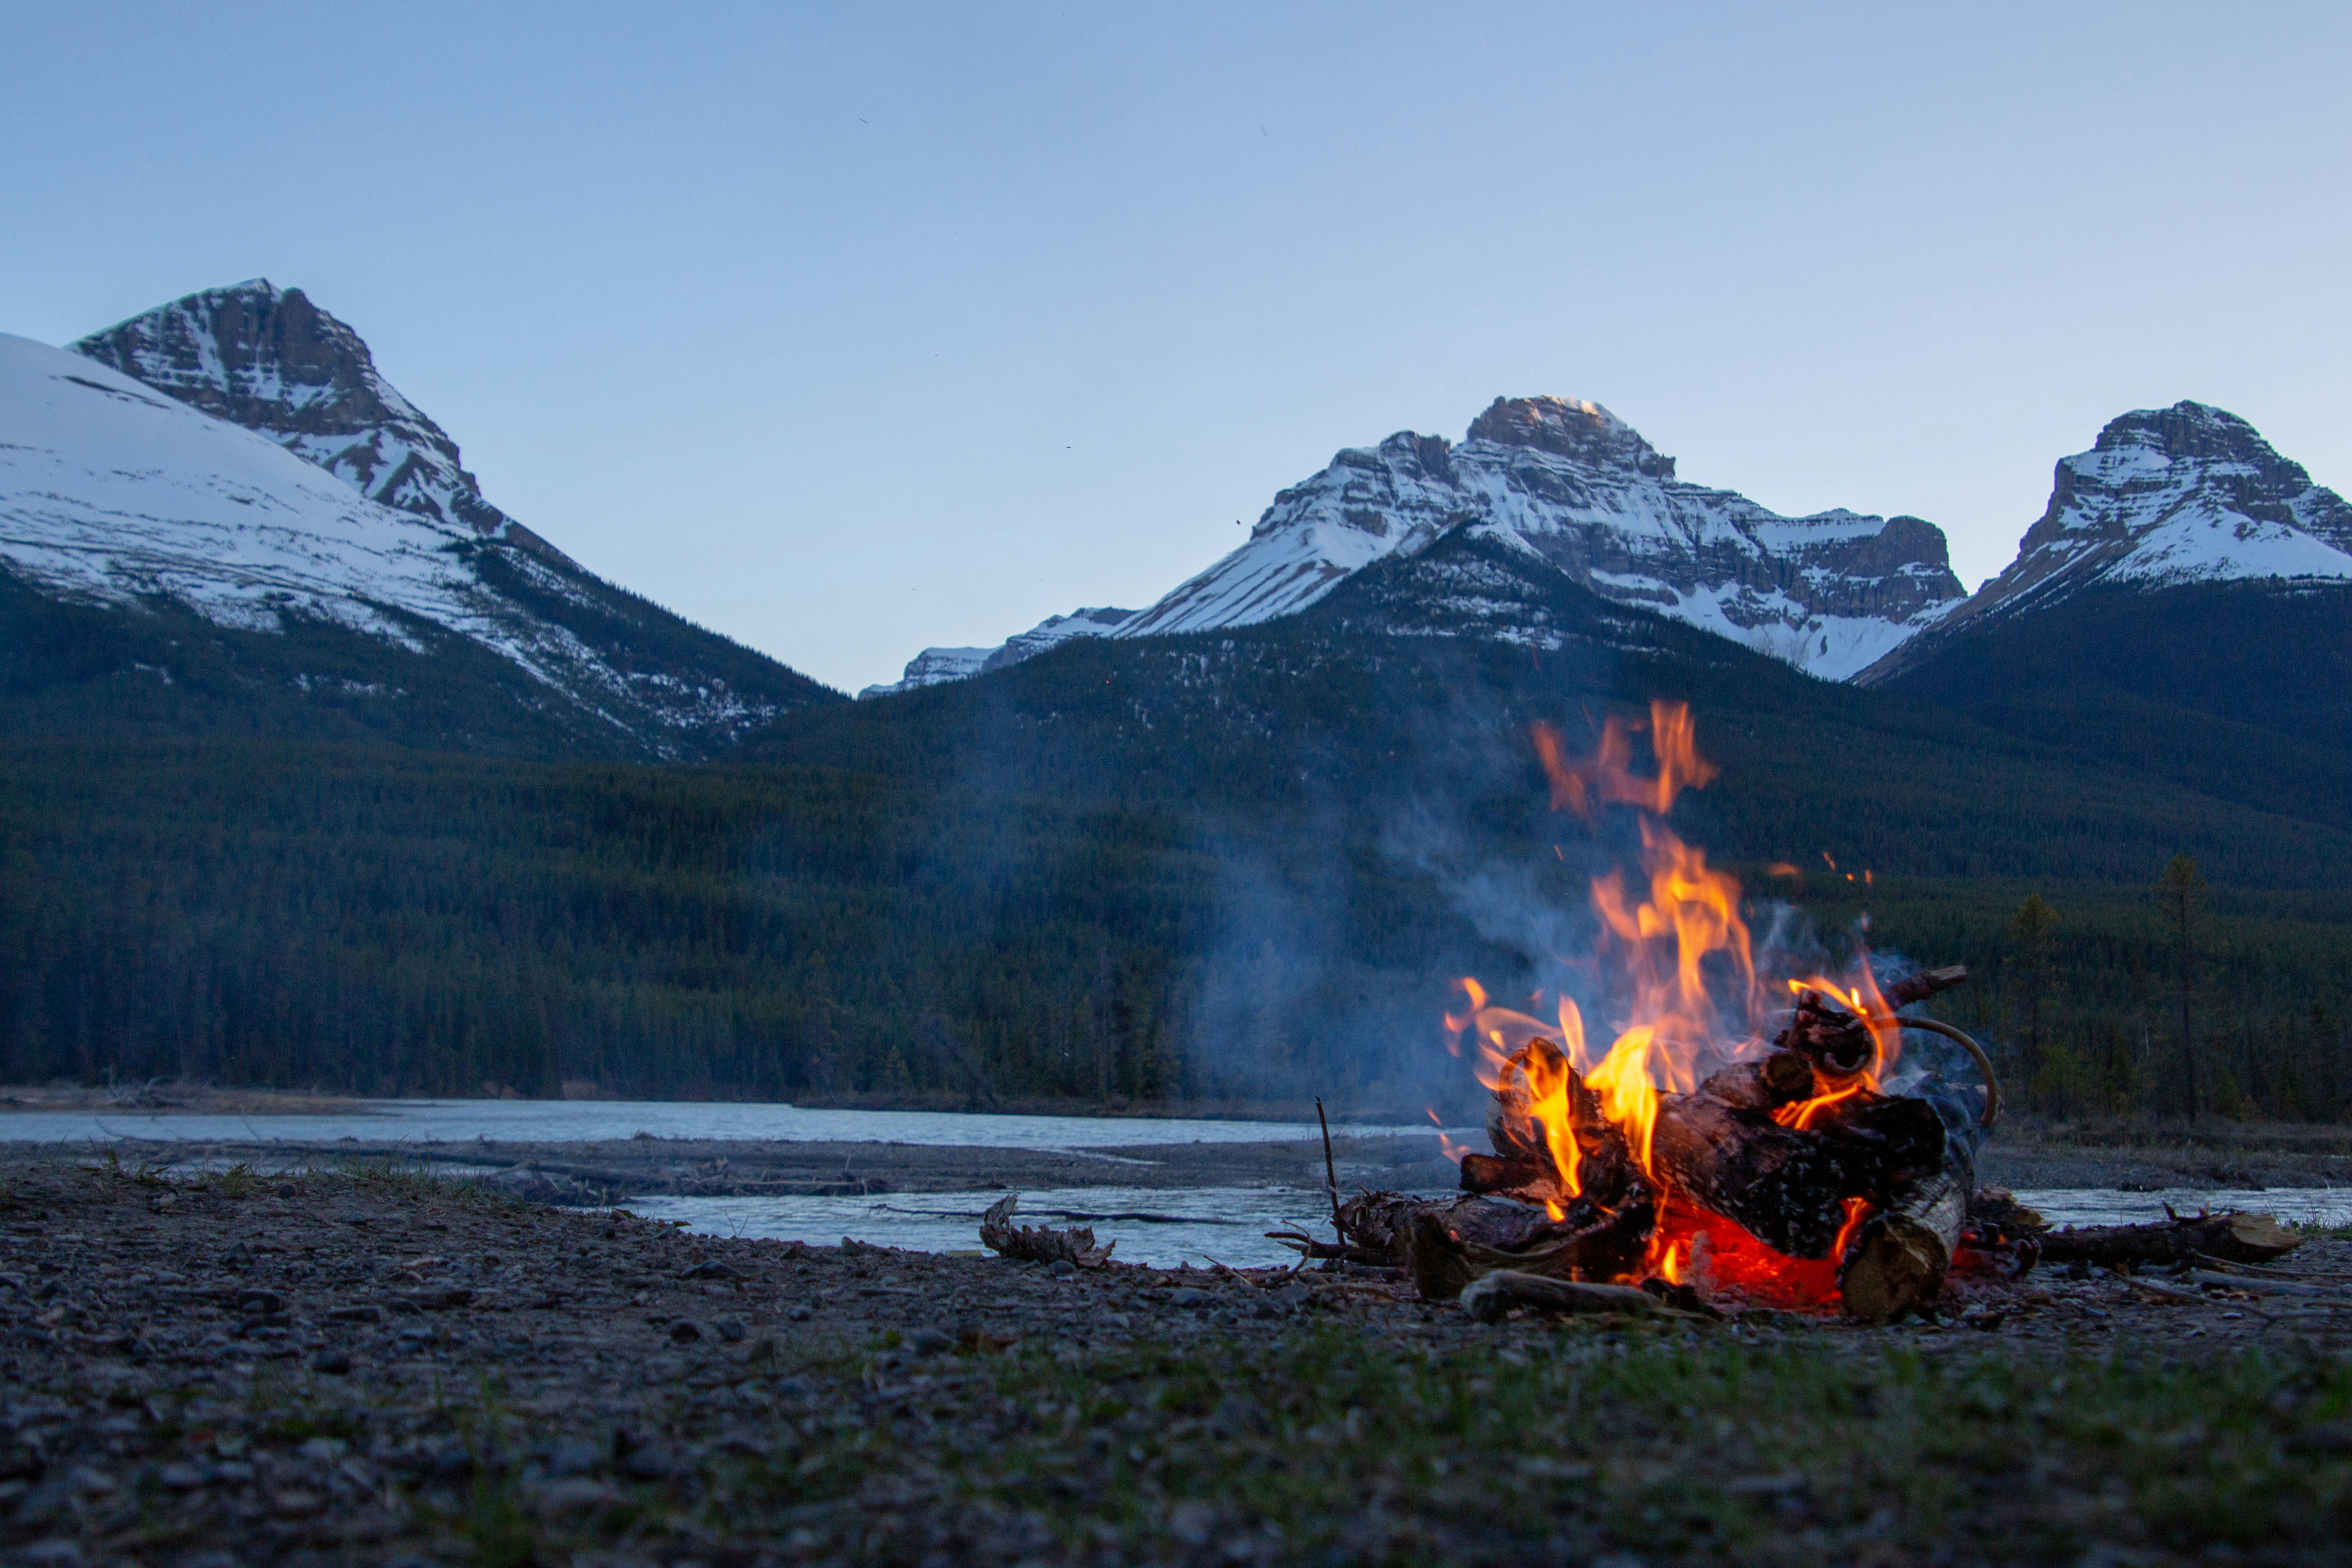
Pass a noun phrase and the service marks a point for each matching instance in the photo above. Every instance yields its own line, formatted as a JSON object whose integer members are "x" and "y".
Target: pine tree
{"x": 2178, "y": 894}
{"x": 2031, "y": 928}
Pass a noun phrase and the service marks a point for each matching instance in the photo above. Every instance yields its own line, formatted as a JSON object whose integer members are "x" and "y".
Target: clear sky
{"x": 848, "y": 330}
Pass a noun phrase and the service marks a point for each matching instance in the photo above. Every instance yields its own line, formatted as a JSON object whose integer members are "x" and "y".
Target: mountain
{"x": 2165, "y": 496}
{"x": 2182, "y": 611}
{"x": 224, "y": 498}
{"x": 933, "y": 666}
{"x": 1578, "y": 490}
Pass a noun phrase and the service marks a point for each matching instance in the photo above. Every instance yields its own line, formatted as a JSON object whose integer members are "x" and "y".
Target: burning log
{"x": 1493, "y": 1295}
{"x": 2231, "y": 1236}
{"x": 1789, "y": 1184}
{"x": 1524, "y": 1164}
{"x": 1038, "y": 1244}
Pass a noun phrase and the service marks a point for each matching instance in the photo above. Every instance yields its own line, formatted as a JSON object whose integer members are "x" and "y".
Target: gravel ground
{"x": 381, "y": 1368}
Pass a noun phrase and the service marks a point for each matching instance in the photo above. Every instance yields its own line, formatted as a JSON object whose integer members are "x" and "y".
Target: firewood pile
{"x": 1788, "y": 1180}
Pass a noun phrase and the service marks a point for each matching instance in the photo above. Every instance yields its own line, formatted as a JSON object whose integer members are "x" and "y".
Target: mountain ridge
{"x": 1572, "y": 486}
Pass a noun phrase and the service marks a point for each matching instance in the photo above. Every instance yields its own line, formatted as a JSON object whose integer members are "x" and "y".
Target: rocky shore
{"x": 374, "y": 1368}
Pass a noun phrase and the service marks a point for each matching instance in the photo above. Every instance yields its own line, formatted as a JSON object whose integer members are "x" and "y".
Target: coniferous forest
{"x": 1084, "y": 881}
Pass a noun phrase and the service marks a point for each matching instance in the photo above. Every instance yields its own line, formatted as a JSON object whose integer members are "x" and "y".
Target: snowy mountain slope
{"x": 109, "y": 493}
{"x": 113, "y": 494}
{"x": 934, "y": 666}
{"x": 1577, "y": 487}
{"x": 269, "y": 360}
{"x": 2164, "y": 498}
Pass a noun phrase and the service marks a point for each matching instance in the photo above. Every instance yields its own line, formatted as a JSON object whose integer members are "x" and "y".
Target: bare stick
{"x": 1984, "y": 1062}
{"x": 1330, "y": 1171}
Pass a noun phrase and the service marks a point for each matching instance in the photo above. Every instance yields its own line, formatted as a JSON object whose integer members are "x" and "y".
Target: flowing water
{"x": 1193, "y": 1225}
{"x": 2099, "y": 1206}
{"x": 1161, "y": 1227}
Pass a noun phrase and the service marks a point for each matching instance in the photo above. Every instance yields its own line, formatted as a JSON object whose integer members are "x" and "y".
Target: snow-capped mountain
{"x": 1576, "y": 485}
{"x": 114, "y": 494}
{"x": 1579, "y": 489}
{"x": 936, "y": 666}
{"x": 2165, "y": 496}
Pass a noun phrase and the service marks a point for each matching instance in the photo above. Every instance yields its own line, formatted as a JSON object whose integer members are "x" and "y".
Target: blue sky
{"x": 850, "y": 330}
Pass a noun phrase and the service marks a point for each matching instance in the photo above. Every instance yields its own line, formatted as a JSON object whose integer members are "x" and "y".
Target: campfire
{"x": 1749, "y": 1135}
{"x": 1735, "y": 1132}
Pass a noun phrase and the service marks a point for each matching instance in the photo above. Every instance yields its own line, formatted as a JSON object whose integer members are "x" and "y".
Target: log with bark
{"x": 1446, "y": 1246}
{"x": 2231, "y": 1236}
{"x": 1721, "y": 1147}
{"x": 1896, "y": 1262}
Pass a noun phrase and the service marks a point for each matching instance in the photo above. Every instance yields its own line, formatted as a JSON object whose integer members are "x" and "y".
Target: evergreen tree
{"x": 2031, "y": 928}
{"x": 2179, "y": 894}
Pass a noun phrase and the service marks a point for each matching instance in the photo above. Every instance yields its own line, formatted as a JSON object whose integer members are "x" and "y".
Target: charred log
{"x": 1522, "y": 1165}
{"x": 1787, "y": 1187}
{"x": 1919, "y": 987}
{"x": 1828, "y": 1035}
{"x": 1832, "y": 1036}
{"x": 1510, "y": 1176}
{"x": 2233, "y": 1237}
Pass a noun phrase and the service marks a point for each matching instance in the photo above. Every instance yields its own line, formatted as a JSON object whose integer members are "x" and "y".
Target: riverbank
{"x": 603, "y": 1171}
{"x": 367, "y": 1368}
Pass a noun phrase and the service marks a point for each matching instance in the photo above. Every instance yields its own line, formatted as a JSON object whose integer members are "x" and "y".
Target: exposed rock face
{"x": 268, "y": 359}
{"x": 1571, "y": 483}
{"x": 2186, "y": 493}
{"x": 934, "y": 666}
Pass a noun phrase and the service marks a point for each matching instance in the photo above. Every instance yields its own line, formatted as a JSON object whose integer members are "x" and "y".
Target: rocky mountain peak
{"x": 2195, "y": 430}
{"x": 269, "y": 360}
{"x": 1572, "y": 428}
{"x": 2165, "y": 495}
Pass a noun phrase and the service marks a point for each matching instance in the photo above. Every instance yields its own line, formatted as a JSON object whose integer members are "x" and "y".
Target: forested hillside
{"x": 1241, "y": 867}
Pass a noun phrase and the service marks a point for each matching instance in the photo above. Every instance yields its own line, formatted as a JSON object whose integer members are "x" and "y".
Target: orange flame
{"x": 1857, "y": 1210}
{"x": 1609, "y": 777}
{"x": 1687, "y": 992}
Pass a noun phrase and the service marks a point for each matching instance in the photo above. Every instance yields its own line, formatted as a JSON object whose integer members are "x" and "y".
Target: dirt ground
{"x": 381, "y": 1368}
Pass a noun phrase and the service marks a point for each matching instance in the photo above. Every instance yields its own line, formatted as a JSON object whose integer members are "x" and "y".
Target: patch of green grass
{"x": 1665, "y": 1442}
{"x": 238, "y": 1181}
{"x": 422, "y": 1183}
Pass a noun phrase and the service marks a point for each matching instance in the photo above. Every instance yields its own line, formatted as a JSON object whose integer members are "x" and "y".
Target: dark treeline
{"x": 391, "y": 923}
{"x": 2080, "y": 998}
{"x": 384, "y": 921}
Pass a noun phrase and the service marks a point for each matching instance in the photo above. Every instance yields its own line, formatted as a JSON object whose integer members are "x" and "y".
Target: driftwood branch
{"x": 1038, "y": 1244}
